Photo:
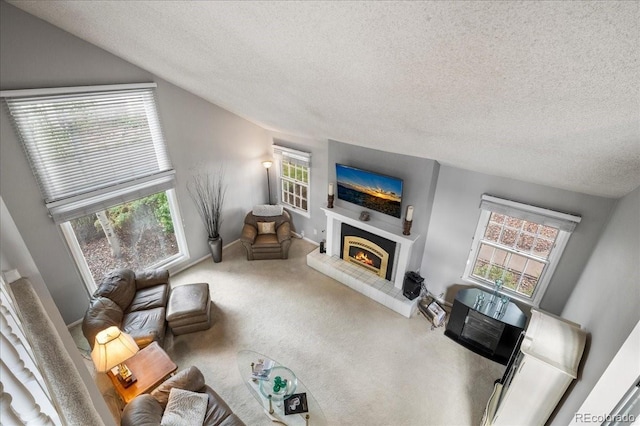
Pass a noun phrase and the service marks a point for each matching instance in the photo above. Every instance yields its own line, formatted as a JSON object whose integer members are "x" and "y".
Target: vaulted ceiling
{"x": 545, "y": 92}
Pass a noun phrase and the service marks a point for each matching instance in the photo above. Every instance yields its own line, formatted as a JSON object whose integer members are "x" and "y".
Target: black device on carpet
{"x": 412, "y": 285}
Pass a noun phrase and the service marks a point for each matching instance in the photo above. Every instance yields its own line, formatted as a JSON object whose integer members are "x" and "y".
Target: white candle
{"x": 409, "y": 217}
{"x": 330, "y": 189}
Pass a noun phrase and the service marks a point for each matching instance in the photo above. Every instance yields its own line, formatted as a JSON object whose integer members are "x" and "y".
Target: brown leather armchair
{"x": 148, "y": 409}
{"x": 262, "y": 240}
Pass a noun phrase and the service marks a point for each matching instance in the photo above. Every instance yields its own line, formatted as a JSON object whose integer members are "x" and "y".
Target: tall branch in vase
{"x": 207, "y": 190}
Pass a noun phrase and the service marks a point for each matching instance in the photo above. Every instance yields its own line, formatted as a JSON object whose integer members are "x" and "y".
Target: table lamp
{"x": 112, "y": 348}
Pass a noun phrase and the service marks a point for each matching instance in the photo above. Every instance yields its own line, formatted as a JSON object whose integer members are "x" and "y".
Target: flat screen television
{"x": 370, "y": 190}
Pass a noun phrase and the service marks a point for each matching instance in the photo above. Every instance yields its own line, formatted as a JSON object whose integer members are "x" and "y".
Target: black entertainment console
{"x": 483, "y": 327}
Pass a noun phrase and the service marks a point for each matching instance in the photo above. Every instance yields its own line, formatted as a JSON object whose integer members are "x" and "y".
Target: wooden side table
{"x": 150, "y": 366}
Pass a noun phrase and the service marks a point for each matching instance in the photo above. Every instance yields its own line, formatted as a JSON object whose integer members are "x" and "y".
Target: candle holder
{"x": 406, "y": 227}
{"x": 330, "y": 201}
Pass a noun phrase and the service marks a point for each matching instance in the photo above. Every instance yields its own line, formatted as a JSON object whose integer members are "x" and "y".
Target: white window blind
{"x": 92, "y": 147}
{"x": 562, "y": 221}
{"x": 293, "y": 156}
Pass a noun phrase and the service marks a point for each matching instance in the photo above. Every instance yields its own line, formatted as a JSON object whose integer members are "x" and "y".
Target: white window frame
{"x": 171, "y": 263}
{"x": 66, "y": 199}
{"x": 280, "y": 153}
{"x": 565, "y": 223}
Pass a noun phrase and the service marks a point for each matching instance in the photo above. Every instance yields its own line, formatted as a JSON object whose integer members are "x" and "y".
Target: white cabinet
{"x": 540, "y": 373}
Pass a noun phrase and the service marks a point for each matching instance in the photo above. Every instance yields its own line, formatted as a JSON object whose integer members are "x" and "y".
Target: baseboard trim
{"x": 205, "y": 257}
{"x": 76, "y": 322}
{"x": 231, "y": 243}
{"x": 295, "y": 234}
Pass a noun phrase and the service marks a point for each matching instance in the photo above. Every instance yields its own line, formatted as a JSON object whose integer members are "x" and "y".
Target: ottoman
{"x": 189, "y": 308}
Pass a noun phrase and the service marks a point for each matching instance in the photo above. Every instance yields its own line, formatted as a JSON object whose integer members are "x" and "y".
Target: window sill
{"x": 294, "y": 210}
{"x": 172, "y": 263}
{"x": 513, "y": 296}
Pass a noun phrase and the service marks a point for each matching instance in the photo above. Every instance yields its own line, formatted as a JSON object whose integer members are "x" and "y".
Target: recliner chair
{"x": 267, "y": 237}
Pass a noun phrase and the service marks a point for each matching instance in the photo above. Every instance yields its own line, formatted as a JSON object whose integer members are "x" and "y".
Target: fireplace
{"x": 381, "y": 241}
{"x": 369, "y": 251}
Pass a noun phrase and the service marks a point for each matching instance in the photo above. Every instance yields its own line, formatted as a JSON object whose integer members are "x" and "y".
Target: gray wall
{"x": 606, "y": 298}
{"x": 35, "y": 54}
{"x": 455, "y": 217}
{"x": 420, "y": 176}
{"x": 313, "y": 226}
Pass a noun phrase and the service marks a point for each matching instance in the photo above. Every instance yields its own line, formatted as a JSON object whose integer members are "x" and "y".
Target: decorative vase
{"x": 215, "y": 246}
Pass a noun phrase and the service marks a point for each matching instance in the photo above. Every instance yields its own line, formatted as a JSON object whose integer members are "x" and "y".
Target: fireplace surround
{"x": 388, "y": 292}
{"x": 367, "y": 250}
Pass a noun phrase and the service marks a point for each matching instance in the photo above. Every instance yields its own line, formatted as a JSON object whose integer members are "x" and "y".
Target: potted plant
{"x": 207, "y": 190}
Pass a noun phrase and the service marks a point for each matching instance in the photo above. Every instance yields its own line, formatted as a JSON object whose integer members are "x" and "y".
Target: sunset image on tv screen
{"x": 371, "y": 190}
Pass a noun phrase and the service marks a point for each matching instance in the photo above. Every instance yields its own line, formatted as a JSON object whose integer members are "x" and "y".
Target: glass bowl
{"x": 268, "y": 387}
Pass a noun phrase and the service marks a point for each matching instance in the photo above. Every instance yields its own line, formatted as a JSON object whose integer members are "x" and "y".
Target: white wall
{"x": 606, "y": 298}
{"x": 15, "y": 255}
{"x": 621, "y": 375}
{"x": 35, "y": 54}
{"x": 455, "y": 216}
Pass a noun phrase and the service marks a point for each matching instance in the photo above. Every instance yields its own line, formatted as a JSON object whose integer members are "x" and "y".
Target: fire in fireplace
{"x": 361, "y": 256}
{"x": 367, "y": 250}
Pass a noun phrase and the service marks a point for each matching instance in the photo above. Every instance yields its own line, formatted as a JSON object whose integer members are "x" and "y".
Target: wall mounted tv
{"x": 370, "y": 190}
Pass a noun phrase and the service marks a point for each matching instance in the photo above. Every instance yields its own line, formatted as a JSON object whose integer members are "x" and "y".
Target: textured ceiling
{"x": 545, "y": 92}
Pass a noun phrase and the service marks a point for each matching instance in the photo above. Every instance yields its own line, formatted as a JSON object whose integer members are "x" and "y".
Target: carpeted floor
{"x": 365, "y": 364}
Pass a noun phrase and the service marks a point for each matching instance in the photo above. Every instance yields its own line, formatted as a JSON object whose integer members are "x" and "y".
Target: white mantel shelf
{"x": 378, "y": 227}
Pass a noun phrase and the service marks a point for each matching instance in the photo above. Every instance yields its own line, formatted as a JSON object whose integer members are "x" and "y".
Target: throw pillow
{"x": 185, "y": 408}
{"x": 266, "y": 227}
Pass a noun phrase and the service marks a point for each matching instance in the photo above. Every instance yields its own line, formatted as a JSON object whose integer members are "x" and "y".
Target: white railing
{"x": 24, "y": 396}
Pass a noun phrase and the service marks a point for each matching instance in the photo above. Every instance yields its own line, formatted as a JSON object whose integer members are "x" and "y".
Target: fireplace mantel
{"x": 388, "y": 231}
{"x": 338, "y": 215}
{"x": 387, "y": 293}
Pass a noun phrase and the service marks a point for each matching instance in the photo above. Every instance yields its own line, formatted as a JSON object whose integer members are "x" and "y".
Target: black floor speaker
{"x": 412, "y": 285}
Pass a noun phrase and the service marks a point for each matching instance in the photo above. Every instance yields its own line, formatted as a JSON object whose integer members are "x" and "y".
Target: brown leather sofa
{"x": 148, "y": 409}
{"x": 267, "y": 245}
{"x": 135, "y": 302}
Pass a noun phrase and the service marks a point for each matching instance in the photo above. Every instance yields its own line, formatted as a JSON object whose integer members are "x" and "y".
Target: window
{"x": 100, "y": 160}
{"x": 137, "y": 235}
{"x": 518, "y": 244}
{"x": 294, "y": 174}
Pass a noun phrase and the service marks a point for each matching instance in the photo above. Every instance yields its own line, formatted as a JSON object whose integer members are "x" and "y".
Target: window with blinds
{"x": 518, "y": 244}
{"x": 294, "y": 174}
{"x": 99, "y": 157}
{"x": 91, "y": 148}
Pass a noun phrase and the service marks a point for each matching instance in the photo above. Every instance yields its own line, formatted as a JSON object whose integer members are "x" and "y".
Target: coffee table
{"x": 314, "y": 417}
{"x": 151, "y": 365}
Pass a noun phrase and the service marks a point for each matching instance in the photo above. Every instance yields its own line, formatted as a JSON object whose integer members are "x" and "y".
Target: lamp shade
{"x": 267, "y": 164}
{"x": 112, "y": 347}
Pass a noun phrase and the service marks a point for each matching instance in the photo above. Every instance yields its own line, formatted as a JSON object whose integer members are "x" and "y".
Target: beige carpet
{"x": 365, "y": 364}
